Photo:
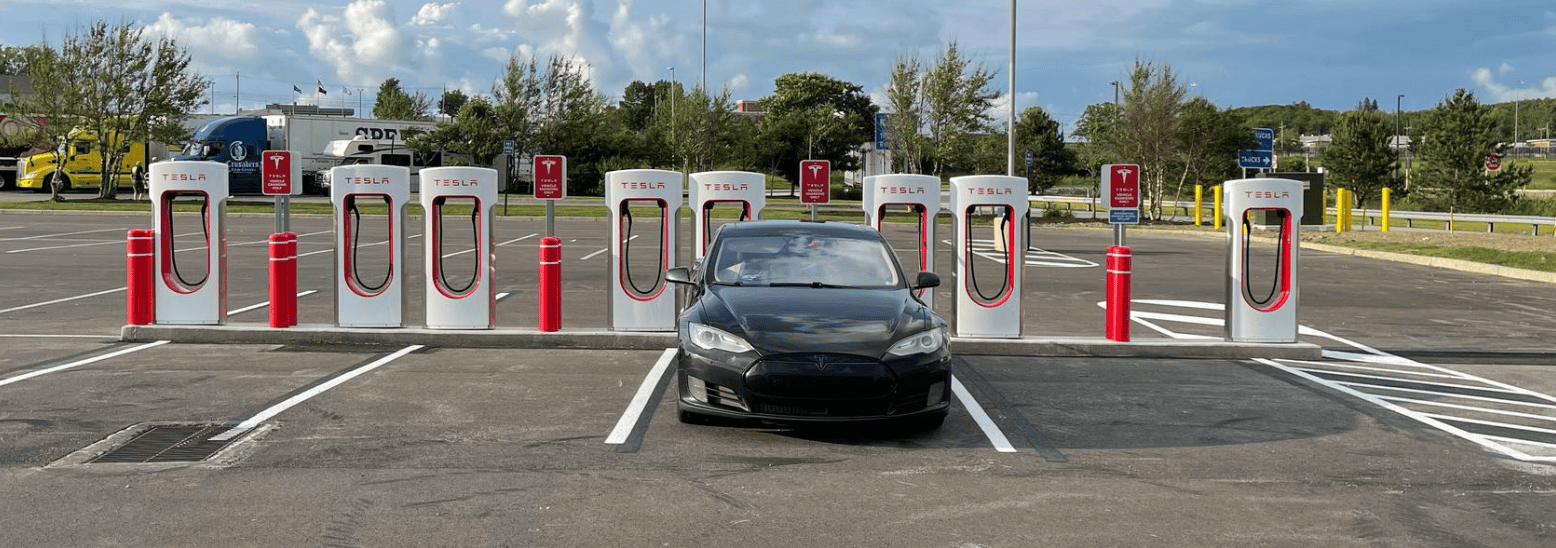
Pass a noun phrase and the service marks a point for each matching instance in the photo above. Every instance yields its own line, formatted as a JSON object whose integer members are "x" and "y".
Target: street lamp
{"x": 1115, "y": 93}
{"x": 1397, "y": 144}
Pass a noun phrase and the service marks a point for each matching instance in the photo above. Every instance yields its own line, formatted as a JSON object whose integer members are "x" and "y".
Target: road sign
{"x": 1255, "y": 159}
{"x": 279, "y": 175}
{"x": 1124, "y": 216}
{"x": 1265, "y": 137}
{"x": 815, "y": 181}
{"x": 550, "y": 177}
{"x": 881, "y": 119}
{"x": 1122, "y": 187}
{"x": 1493, "y": 162}
{"x": 1121, "y": 193}
{"x": 507, "y": 147}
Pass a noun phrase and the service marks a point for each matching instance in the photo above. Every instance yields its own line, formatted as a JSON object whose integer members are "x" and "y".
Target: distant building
{"x": 748, "y": 107}
{"x": 1314, "y": 143}
{"x": 305, "y": 110}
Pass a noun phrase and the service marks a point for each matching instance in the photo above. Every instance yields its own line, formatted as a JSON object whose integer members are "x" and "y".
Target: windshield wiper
{"x": 807, "y": 284}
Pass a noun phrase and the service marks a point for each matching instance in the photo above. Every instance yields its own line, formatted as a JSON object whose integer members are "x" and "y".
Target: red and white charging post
{"x": 550, "y": 185}
{"x": 1121, "y": 190}
{"x": 281, "y": 177}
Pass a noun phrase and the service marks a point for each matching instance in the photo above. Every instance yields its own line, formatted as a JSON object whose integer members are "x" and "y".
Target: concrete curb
{"x": 624, "y": 340}
{"x": 1439, "y": 262}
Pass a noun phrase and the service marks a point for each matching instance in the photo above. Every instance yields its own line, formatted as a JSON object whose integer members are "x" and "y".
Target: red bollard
{"x": 550, "y": 284}
{"x": 140, "y": 277}
{"x": 1119, "y": 265}
{"x": 283, "y": 281}
{"x": 291, "y": 279}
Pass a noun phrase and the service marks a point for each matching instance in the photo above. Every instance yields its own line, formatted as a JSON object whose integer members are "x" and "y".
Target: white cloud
{"x": 363, "y": 45}
{"x": 1496, "y": 92}
{"x": 431, "y": 15}
{"x": 218, "y": 44}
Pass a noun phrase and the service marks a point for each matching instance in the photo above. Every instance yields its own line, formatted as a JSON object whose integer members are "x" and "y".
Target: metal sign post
{"x": 281, "y": 177}
{"x": 550, "y": 185}
{"x": 1121, "y": 190}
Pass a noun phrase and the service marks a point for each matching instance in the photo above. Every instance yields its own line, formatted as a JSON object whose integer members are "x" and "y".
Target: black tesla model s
{"x": 798, "y": 321}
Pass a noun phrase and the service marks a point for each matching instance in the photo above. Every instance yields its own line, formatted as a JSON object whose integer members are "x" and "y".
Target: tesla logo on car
{"x": 821, "y": 363}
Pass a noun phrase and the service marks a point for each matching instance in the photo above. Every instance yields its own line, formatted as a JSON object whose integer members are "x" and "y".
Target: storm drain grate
{"x": 169, "y": 443}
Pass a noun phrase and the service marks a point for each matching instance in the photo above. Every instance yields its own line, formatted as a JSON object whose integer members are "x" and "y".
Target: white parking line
{"x": 624, "y": 426}
{"x": 1001, "y": 443}
{"x": 96, "y": 359}
{"x": 109, "y": 242}
{"x": 267, "y": 303}
{"x": 593, "y": 255}
{"x": 41, "y": 236}
{"x": 55, "y": 301}
{"x": 276, "y": 409}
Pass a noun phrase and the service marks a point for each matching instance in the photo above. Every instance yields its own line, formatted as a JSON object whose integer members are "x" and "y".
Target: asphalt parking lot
{"x": 1429, "y": 421}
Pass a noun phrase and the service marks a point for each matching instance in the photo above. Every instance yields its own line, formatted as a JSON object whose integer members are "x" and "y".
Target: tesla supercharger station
{"x": 711, "y": 188}
{"x": 468, "y": 302}
{"x": 1257, "y": 311}
{"x": 638, "y": 301}
{"x": 369, "y": 295}
{"x": 989, "y": 312}
{"x": 185, "y": 294}
{"x": 921, "y": 195}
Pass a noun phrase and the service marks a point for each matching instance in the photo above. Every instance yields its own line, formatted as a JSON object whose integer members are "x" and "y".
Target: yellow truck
{"x": 83, "y": 167}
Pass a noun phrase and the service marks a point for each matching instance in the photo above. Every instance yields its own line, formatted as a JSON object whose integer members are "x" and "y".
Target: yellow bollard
{"x": 1199, "y": 204}
{"x": 1217, "y": 198}
{"x": 1339, "y": 212}
{"x": 1385, "y": 220}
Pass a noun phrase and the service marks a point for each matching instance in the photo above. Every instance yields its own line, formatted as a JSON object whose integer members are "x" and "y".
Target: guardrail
{"x": 1370, "y": 216}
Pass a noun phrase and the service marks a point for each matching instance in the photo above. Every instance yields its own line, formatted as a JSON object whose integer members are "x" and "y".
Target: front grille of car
{"x": 821, "y": 377}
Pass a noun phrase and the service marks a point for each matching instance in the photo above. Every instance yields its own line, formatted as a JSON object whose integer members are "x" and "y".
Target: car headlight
{"x": 921, "y": 343}
{"x": 711, "y": 338}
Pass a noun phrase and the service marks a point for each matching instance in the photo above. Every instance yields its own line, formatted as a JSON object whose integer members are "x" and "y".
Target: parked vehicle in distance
{"x": 238, "y": 141}
{"x": 83, "y": 164}
{"x": 390, "y": 152}
{"x": 800, "y": 321}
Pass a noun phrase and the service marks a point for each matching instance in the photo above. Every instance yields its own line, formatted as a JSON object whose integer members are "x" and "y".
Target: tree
{"x": 451, "y": 102}
{"x": 116, "y": 85}
{"x": 1451, "y": 172}
{"x": 393, "y": 103}
{"x": 1039, "y": 136}
{"x": 474, "y": 131}
{"x": 1360, "y": 158}
{"x": 1148, "y": 128}
{"x": 905, "y": 99}
{"x": 813, "y": 116}
{"x": 957, "y": 100}
{"x": 1208, "y": 138}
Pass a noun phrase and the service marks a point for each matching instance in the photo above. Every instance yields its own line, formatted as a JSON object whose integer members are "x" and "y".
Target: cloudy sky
{"x": 1330, "y": 53}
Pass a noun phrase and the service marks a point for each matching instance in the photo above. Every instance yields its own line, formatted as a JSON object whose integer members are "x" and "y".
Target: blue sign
{"x": 1126, "y": 216}
{"x": 507, "y": 147}
{"x": 1265, "y": 137}
{"x": 1255, "y": 159}
{"x": 880, "y": 130}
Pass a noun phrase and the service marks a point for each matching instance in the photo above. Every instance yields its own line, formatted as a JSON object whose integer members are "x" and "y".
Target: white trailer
{"x": 309, "y": 137}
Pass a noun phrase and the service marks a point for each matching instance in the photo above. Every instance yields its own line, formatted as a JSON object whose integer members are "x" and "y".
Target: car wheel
{"x": 48, "y": 183}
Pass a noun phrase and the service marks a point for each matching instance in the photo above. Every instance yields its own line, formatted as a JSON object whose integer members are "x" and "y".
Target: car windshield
{"x": 804, "y": 260}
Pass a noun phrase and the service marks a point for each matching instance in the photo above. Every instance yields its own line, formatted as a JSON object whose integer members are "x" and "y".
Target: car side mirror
{"x": 679, "y": 275}
{"x": 926, "y": 280}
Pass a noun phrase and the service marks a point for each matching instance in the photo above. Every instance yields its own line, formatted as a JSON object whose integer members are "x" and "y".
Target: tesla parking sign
{"x": 550, "y": 177}
{"x": 815, "y": 181}
{"x": 1121, "y": 190}
{"x": 279, "y": 173}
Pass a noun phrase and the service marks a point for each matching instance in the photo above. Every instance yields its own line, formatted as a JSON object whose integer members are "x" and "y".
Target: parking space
{"x": 385, "y": 446}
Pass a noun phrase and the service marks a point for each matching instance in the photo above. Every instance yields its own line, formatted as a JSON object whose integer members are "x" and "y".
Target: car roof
{"x": 789, "y": 227}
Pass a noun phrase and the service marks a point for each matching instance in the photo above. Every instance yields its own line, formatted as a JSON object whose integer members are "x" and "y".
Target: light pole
{"x": 1398, "y": 145}
{"x": 1115, "y": 93}
{"x": 1010, "y": 130}
{"x": 674, "y": 91}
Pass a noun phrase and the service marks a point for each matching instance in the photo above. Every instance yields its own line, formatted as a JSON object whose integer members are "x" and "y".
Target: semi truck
{"x": 238, "y": 141}
{"x": 364, "y": 151}
{"x": 83, "y": 164}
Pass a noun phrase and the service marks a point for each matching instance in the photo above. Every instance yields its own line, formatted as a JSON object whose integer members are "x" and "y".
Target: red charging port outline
{"x": 165, "y": 242}
{"x": 437, "y": 249}
{"x": 349, "y": 234}
{"x": 1283, "y": 255}
{"x": 664, "y": 246}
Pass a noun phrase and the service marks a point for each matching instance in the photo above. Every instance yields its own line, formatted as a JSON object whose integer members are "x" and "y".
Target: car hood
{"x": 779, "y": 320}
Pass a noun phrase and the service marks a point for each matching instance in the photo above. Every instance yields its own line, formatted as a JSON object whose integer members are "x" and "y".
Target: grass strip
{"x": 1543, "y": 261}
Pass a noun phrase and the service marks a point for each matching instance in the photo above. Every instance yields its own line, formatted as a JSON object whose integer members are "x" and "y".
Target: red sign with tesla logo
{"x": 815, "y": 181}
{"x": 1123, "y": 185}
{"x": 550, "y": 177}
{"x": 276, "y": 173}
